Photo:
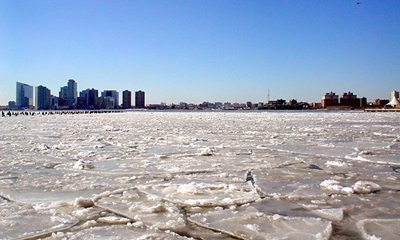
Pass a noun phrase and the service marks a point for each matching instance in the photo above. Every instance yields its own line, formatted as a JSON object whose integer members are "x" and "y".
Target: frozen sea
{"x": 201, "y": 175}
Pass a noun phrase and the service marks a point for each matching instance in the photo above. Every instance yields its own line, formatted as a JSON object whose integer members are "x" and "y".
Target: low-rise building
{"x": 381, "y": 102}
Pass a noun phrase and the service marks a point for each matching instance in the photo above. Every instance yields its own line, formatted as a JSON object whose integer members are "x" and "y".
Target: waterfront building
{"x": 316, "y": 105}
{"x": 249, "y": 104}
{"x": 329, "y": 99}
{"x": 63, "y": 98}
{"x": 54, "y": 101}
{"x": 110, "y": 94}
{"x": 42, "y": 98}
{"x": 72, "y": 93}
{"x": 126, "y": 99}
{"x": 69, "y": 94}
{"x": 351, "y": 100}
{"x": 109, "y": 102}
{"x": 81, "y": 103}
{"x": 381, "y": 102}
{"x": 89, "y": 98}
{"x": 363, "y": 102}
{"x": 394, "y": 94}
{"x": 394, "y": 103}
{"x": 183, "y": 105}
{"x": 99, "y": 103}
{"x": 278, "y": 102}
{"x": 24, "y": 95}
{"x": 12, "y": 105}
{"x": 139, "y": 99}
{"x": 63, "y": 92}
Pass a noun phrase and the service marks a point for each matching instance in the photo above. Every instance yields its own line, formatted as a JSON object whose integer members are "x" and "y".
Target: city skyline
{"x": 111, "y": 99}
{"x": 69, "y": 97}
{"x": 197, "y": 51}
{"x": 125, "y": 99}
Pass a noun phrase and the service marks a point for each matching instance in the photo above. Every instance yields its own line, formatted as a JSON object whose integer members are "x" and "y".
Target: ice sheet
{"x": 160, "y": 174}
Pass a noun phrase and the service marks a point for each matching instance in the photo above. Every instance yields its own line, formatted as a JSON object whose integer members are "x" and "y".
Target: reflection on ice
{"x": 206, "y": 175}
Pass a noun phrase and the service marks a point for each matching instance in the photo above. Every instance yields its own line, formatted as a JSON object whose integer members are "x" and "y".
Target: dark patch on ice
{"x": 247, "y": 152}
{"x": 50, "y": 165}
{"x": 6, "y": 198}
{"x": 249, "y": 178}
{"x": 313, "y": 166}
{"x": 394, "y": 169}
{"x": 344, "y": 230}
{"x": 12, "y": 179}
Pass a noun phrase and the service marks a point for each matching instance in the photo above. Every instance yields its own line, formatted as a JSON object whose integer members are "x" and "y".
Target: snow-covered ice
{"x": 206, "y": 175}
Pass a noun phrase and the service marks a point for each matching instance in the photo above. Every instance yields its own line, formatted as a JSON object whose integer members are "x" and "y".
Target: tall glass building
{"x": 72, "y": 93}
{"x": 24, "y": 95}
{"x": 42, "y": 98}
{"x": 111, "y": 94}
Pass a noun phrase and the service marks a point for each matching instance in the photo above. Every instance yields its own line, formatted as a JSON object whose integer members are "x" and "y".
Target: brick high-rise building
{"x": 126, "y": 99}
{"x": 349, "y": 99}
{"x": 330, "y": 99}
{"x": 139, "y": 99}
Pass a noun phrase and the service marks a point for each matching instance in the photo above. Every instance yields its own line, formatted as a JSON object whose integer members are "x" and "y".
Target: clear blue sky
{"x": 195, "y": 51}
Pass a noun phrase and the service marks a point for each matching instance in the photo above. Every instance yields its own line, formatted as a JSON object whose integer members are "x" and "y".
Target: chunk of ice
{"x": 374, "y": 229}
{"x": 83, "y": 202}
{"x": 83, "y": 165}
{"x": 365, "y": 187}
{"x": 333, "y": 214}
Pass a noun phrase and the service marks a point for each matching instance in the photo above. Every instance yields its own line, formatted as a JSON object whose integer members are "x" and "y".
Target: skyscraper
{"x": 72, "y": 93}
{"x": 42, "y": 97}
{"x": 126, "y": 99}
{"x": 69, "y": 94}
{"x": 24, "y": 95}
{"x": 63, "y": 92}
{"x": 111, "y": 94}
{"x": 139, "y": 99}
{"x": 90, "y": 96}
